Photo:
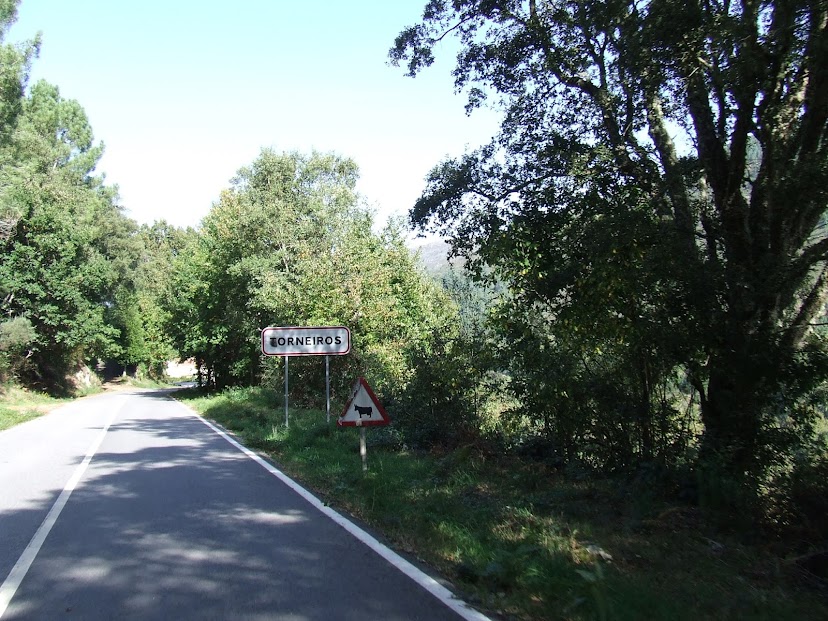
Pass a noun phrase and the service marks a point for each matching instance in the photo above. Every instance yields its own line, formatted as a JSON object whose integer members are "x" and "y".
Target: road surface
{"x": 128, "y": 506}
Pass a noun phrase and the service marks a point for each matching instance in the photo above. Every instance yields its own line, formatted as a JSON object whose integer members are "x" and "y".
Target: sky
{"x": 183, "y": 93}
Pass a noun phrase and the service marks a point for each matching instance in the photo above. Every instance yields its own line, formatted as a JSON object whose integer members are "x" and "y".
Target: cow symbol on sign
{"x": 363, "y": 411}
{"x": 363, "y": 408}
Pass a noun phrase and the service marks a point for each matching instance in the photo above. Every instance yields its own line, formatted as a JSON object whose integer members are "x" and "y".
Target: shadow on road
{"x": 171, "y": 521}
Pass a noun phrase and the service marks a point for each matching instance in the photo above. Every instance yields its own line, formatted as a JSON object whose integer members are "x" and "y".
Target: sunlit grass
{"x": 515, "y": 537}
{"x": 18, "y": 405}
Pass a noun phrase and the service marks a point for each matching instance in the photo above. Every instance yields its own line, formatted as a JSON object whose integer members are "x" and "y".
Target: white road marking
{"x": 418, "y": 576}
{"x": 21, "y": 567}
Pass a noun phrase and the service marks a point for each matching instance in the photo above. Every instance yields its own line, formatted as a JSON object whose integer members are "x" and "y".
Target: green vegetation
{"x": 655, "y": 206}
{"x": 518, "y": 537}
{"x": 78, "y": 279}
{"x": 636, "y": 340}
{"x": 18, "y": 405}
{"x": 290, "y": 244}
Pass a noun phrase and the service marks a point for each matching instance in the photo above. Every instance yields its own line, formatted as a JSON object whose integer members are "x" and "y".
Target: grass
{"x": 18, "y": 405}
{"x": 518, "y": 539}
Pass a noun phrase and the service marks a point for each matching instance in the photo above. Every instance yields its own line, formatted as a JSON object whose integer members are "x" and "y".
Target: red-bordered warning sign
{"x": 363, "y": 408}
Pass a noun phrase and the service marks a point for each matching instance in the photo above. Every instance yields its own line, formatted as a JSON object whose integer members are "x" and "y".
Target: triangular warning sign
{"x": 363, "y": 408}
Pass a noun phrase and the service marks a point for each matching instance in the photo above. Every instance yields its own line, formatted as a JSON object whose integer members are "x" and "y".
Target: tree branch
{"x": 669, "y": 160}
{"x": 597, "y": 94}
{"x": 448, "y": 31}
{"x": 805, "y": 262}
{"x": 812, "y": 305}
{"x": 816, "y": 90}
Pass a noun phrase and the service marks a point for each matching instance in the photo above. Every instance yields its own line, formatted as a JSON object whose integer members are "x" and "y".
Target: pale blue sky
{"x": 184, "y": 92}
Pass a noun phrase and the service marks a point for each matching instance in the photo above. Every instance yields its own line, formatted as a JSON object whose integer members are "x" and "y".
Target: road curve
{"x": 129, "y": 506}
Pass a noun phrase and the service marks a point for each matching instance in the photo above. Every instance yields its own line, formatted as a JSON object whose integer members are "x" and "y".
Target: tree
{"x": 700, "y": 128}
{"x": 260, "y": 252}
{"x": 160, "y": 245}
{"x": 61, "y": 260}
{"x": 15, "y": 337}
{"x": 290, "y": 244}
{"x": 69, "y": 255}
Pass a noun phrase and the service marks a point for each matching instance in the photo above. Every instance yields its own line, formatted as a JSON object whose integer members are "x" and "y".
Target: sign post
{"x": 287, "y": 360}
{"x": 363, "y": 449}
{"x": 311, "y": 341}
{"x": 327, "y": 389}
{"x": 363, "y": 410}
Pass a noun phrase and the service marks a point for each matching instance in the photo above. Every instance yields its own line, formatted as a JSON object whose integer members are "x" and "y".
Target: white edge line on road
{"x": 417, "y": 575}
{"x": 21, "y": 567}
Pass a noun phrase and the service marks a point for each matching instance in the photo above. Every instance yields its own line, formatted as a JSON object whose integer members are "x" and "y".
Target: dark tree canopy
{"x": 690, "y": 137}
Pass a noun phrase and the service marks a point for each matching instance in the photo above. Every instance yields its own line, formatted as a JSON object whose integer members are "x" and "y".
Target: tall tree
{"x": 60, "y": 261}
{"x": 704, "y": 121}
{"x": 290, "y": 244}
{"x": 264, "y": 242}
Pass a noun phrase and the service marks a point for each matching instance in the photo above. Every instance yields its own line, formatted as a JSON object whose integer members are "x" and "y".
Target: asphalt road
{"x": 128, "y": 506}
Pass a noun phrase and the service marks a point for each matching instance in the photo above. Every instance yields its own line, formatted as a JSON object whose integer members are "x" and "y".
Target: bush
{"x": 799, "y": 499}
{"x": 15, "y": 336}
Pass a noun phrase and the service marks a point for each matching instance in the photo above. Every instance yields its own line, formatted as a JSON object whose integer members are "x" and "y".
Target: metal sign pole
{"x": 363, "y": 449}
{"x": 287, "y": 359}
{"x": 327, "y": 389}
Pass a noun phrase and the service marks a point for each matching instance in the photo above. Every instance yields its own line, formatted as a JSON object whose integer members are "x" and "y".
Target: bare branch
{"x": 447, "y": 32}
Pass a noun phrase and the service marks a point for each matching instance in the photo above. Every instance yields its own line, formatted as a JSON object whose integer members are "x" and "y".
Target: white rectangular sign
{"x": 316, "y": 341}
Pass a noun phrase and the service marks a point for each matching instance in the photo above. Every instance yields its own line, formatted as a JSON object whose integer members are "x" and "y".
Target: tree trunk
{"x": 731, "y": 420}
{"x": 730, "y": 460}
{"x": 645, "y": 413}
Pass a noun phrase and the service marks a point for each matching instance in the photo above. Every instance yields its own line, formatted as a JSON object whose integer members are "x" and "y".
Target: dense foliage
{"x": 70, "y": 290}
{"x": 289, "y": 244}
{"x": 655, "y": 202}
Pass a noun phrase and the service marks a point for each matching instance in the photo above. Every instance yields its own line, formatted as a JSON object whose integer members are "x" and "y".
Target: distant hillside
{"x": 434, "y": 255}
